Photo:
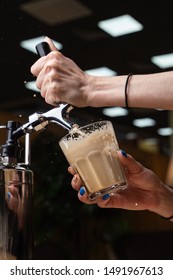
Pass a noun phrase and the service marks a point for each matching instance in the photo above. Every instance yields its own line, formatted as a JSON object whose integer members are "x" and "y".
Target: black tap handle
{"x": 43, "y": 48}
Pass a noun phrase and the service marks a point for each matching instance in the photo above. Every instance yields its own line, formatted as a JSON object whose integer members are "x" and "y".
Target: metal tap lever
{"x": 39, "y": 121}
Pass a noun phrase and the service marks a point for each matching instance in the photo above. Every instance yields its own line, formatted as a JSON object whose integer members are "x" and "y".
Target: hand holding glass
{"x": 92, "y": 152}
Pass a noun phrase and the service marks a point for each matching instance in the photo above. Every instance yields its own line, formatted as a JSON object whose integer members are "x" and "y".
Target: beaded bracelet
{"x": 125, "y": 90}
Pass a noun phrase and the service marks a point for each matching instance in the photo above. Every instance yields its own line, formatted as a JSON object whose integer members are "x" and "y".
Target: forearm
{"x": 144, "y": 91}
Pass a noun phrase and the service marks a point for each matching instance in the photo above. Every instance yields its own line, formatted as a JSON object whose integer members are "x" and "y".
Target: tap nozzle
{"x": 39, "y": 121}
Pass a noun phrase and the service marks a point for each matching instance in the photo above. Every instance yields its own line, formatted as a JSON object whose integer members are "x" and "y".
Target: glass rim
{"x": 86, "y": 126}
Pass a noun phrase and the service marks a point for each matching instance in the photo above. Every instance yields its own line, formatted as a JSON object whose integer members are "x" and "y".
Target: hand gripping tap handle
{"x": 42, "y": 50}
{"x": 58, "y": 115}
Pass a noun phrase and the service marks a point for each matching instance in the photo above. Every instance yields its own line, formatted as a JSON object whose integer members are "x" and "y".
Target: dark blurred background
{"x": 64, "y": 227}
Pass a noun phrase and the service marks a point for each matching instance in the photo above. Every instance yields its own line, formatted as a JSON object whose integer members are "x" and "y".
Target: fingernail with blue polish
{"x": 105, "y": 196}
{"x": 9, "y": 195}
{"x": 82, "y": 191}
{"x": 124, "y": 153}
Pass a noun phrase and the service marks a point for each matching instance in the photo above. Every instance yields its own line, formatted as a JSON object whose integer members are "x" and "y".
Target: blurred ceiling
{"x": 74, "y": 24}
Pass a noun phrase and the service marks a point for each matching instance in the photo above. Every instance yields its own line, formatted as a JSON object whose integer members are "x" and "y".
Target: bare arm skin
{"x": 61, "y": 80}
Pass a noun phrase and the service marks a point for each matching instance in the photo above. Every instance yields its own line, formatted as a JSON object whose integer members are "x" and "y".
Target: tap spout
{"x": 39, "y": 121}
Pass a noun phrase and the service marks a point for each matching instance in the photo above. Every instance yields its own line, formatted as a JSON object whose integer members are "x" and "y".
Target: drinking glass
{"x": 92, "y": 152}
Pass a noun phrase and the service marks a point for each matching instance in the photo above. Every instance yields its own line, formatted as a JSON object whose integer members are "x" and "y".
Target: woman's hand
{"x": 145, "y": 191}
{"x": 60, "y": 79}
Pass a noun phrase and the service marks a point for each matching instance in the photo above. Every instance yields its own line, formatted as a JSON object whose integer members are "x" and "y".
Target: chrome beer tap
{"x": 39, "y": 121}
{"x": 16, "y": 197}
{"x": 16, "y": 179}
{"x": 16, "y": 182}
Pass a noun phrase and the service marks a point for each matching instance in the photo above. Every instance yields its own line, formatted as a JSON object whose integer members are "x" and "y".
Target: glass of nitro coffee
{"x": 92, "y": 152}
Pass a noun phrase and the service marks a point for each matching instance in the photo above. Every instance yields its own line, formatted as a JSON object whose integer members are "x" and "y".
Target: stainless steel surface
{"x": 60, "y": 115}
{"x": 16, "y": 184}
{"x": 16, "y": 213}
{"x": 16, "y": 198}
{"x": 39, "y": 121}
{"x": 27, "y": 149}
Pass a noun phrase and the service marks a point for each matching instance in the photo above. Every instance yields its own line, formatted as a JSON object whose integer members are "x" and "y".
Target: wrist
{"x": 165, "y": 205}
{"x": 105, "y": 91}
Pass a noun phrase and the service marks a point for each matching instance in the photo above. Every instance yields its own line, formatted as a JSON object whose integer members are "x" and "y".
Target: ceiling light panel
{"x": 121, "y": 25}
{"x": 144, "y": 122}
{"x": 101, "y": 71}
{"x": 31, "y": 86}
{"x": 31, "y": 43}
{"x": 56, "y": 11}
{"x": 115, "y": 112}
{"x": 163, "y": 61}
{"x": 165, "y": 131}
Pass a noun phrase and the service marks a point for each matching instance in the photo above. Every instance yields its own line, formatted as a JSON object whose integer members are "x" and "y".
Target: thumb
{"x": 51, "y": 44}
{"x": 133, "y": 166}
